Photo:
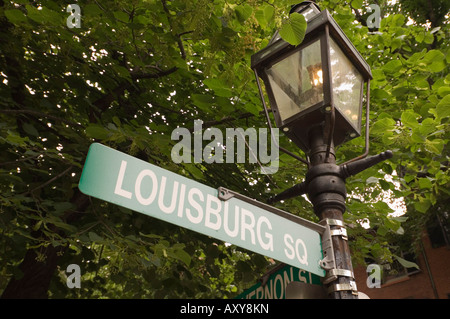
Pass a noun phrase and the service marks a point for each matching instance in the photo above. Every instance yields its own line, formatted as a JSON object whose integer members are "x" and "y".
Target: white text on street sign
{"x": 276, "y": 282}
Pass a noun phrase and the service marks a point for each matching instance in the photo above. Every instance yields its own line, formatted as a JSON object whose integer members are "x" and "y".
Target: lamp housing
{"x": 319, "y": 83}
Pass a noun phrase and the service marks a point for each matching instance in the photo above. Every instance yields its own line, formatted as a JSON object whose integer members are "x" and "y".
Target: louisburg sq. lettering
{"x": 199, "y": 208}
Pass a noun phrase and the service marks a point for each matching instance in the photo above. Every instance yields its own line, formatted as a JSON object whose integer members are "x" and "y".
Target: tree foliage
{"x": 135, "y": 71}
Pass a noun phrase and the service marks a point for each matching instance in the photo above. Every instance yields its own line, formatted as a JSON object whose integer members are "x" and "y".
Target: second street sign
{"x": 124, "y": 180}
{"x": 274, "y": 284}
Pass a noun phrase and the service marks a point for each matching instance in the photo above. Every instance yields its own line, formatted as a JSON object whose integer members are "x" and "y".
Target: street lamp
{"x": 315, "y": 91}
{"x": 317, "y": 84}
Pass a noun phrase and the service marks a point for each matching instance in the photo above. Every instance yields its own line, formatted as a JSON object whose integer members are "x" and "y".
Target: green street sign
{"x": 124, "y": 180}
{"x": 273, "y": 284}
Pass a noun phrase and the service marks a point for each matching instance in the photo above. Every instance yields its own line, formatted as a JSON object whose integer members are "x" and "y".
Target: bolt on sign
{"x": 273, "y": 284}
{"x": 124, "y": 180}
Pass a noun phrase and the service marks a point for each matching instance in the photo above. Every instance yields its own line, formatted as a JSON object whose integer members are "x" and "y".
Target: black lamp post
{"x": 315, "y": 91}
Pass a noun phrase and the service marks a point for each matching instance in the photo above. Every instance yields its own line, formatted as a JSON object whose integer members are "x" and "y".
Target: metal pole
{"x": 325, "y": 187}
{"x": 326, "y": 190}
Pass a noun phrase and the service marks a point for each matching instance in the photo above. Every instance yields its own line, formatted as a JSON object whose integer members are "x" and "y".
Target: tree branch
{"x": 18, "y": 160}
{"x": 105, "y": 101}
{"x": 160, "y": 74}
{"x": 179, "y": 42}
{"x": 358, "y": 16}
{"x": 49, "y": 181}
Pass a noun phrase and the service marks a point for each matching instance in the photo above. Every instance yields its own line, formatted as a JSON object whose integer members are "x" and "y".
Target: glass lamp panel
{"x": 297, "y": 81}
{"x": 347, "y": 85}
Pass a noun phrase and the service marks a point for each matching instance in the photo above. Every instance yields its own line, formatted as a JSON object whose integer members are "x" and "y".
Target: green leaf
{"x": 444, "y": 90}
{"x": 405, "y": 263}
{"x": 384, "y": 185}
{"x": 409, "y": 118}
{"x": 429, "y": 38}
{"x": 197, "y": 173}
{"x": 30, "y": 129}
{"x": 264, "y": 15}
{"x": 427, "y": 126}
{"x": 63, "y": 207}
{"x": 116, "y": 121}
{"x": 243, "y": 12}
{"x": 416, "y": 57}
{"x": 97, "y": 131}
{"x": 372, "y": 180}
{"x": 399, "y": 20}
{"x": 151, "y": 236}
{"x": 34, "y": 14}
{"x": 357, "y": 4}
{"x": 293, "y": 31}
{"x": 422, "y": 205}
{"x": 15, "y": 139}
{"x": 383, "y": 125}
{"x": 218, "y": 86}
{"x": 443, "y": 107}
{"x": 380, "y": 94}
{"x": 421, "y": 84}
{"x": 94, "y": 237}
{"x": 65, "y": 226}
{"x": 400, "y": 219}
{"x": 420, "y": 37}
{"x": 92, "y": 10}
{"x": 122, "y": 71}
{"x": 37, "y": 225}
{"x": 180, "y": 254}
{"x": 203, "y": 101}
{"x": 435, "y": 146}
{"x": 433, "y": 56}
{"x": 437, "y": 66}
{"x": 425, "y": 183}
{"x": 121, "y": 16}
{"x": 400, "y": 91}
{"x": 15, "y": 16}
{"x": 447, "y": 79}
{"x": 44, "y": 15}
{"x": 252, "y": 108}
{"x": 392, "y": 66}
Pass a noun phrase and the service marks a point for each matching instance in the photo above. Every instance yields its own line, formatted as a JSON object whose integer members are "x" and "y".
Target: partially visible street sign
{"x": 277, "y": 283}
{"x": 300, "y": 290}
{"x": 124, "y": 180}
